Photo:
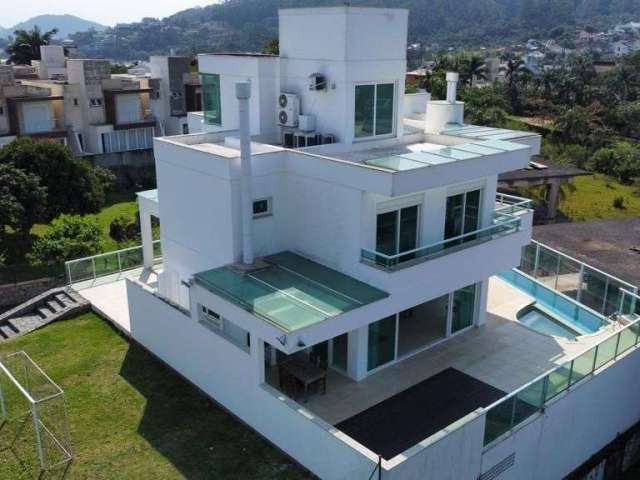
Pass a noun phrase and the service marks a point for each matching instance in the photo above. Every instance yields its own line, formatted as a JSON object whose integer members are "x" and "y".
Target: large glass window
{"x": 462, "y": 216}
{"x": 374, "y": 110}
{"x": 421, "y": 325}
{"x": 397, "y": 231}
{"x": 382, "y": 342}
{"x": 211, "y": 103}
{"x": 463, "y": 308}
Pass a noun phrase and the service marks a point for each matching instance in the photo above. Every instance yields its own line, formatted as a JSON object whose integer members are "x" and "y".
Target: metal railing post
{"x": 68, "y": 269}
{"x": 119, "y": 262}
{"x": 536, "y": 261}
{"x": 3, "y": 406}
{"x": 36, "y": 424}
{"x": 615, "y": 353}
{"x": 93, "y": 266}
{"x": 580, "y": 280}
{"x": 595, "y": 358}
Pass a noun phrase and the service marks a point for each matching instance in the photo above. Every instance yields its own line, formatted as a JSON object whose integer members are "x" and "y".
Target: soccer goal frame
{"x": 33, "y": 414}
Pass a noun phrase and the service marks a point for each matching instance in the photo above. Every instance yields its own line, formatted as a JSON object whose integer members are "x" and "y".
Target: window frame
{"x": 268, "y": 212}
{"x": 397, "y": 209}
{"x": 375, "y": 113}
{"x": 217, "y": 120}
{"x": 210, "y": 319}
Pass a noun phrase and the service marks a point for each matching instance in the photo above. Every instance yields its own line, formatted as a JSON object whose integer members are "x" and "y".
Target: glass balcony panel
{"x": 628, "y": 339}
{"x": 528, "y": 401}
{"x": 498, "y": 420}
{"x": 582, "y": 366}
{"x": 558, "y": 380}
{"x": 606, "y": 351}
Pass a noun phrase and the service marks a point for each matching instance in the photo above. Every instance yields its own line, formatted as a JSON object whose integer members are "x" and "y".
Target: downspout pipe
{"x": 243, "y": 93}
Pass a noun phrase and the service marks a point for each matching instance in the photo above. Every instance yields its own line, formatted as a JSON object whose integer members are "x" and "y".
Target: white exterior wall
{"x": 574, "y": 426}
{"x": 349, "y": 46}
{"x": 231, "y": 376}
{"x": 261, "y": 72}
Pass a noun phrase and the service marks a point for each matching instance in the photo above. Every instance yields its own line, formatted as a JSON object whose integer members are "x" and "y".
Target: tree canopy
{"x": 68, "y": 237}
{"x": 73, "y": 185}
{"x": 22, "y": 199}
{"x": 25, "y": 45}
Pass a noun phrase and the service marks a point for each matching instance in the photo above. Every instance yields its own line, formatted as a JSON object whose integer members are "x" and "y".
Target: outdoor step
{"x": 9, "y": 324}
{"x": 27, "y": 323}
{"x": 65, "y": 299}
{"x": 44, "y": 312}
{"x": 6, "y": 332}
{"x": 55, "y": 306}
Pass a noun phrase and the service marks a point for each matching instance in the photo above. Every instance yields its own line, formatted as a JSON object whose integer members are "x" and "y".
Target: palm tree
{"x": 25, "y": 46}
{"x": 473, "y": 67}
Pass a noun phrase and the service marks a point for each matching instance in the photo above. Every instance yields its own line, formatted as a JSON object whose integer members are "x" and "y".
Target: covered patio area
{"x": 502, "y": 353}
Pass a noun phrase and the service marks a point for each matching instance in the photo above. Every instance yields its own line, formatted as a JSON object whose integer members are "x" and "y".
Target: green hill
{"x": 249, "y": 24}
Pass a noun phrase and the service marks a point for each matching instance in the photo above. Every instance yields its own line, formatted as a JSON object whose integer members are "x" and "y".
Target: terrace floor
{"x": 108, "y": 295}
{"x": 502, "y": 353}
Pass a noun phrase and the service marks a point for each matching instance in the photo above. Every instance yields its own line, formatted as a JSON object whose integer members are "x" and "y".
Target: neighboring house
{"x": 177, "y": 91}
{"x": 337, "y": 272}
{"x": 80, "y": 103}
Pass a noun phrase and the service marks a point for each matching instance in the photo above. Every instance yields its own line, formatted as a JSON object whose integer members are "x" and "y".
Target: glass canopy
{"x": 474, "y": 149}
{"x": 292, "y": 292}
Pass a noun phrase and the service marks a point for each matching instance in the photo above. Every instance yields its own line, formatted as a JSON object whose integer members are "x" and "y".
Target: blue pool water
{"x": 539, "y": 321}
{"x": 583, "y": 320}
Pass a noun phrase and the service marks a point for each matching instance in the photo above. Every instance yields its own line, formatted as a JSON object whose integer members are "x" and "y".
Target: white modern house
{"x": 333, "y": 272}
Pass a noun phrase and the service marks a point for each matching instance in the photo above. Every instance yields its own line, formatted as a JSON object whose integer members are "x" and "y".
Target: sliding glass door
{"x": 463, "y": 313}
{"x": 382, "y": 342}
{"x": 397, "y": 231}
{"x": 462, "y": 216}
{"x": 422, "y": 325}
{"x": 418, "y": 327}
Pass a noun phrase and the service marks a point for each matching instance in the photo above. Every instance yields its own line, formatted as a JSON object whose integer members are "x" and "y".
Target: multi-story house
{"x": 28, "y": 108}
{"x": 329, "y": 270}
{"x": 177, "y": 92}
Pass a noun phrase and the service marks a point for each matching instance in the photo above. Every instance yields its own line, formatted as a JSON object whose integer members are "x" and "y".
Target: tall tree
{"x": 73, "y": 185}
{"x": 25, "y": 45}
{"x": 22, "y": 199}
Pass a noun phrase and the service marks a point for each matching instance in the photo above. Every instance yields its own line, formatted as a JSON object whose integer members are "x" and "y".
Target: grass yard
{"x": 593, "y": 199}
{"x": 117, "y": 204}
{"x": 133, "y": 418}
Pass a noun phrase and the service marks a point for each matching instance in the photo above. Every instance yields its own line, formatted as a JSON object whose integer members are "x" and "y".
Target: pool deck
{"x": 502, "y": 353}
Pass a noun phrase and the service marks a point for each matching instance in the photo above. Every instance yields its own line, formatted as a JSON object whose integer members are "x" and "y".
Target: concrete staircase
{"x": 52, "y": 305}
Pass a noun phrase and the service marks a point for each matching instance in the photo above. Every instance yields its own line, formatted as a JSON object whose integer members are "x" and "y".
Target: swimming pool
{"x": 555, "y": 307}
{"x": 540, "y": 321}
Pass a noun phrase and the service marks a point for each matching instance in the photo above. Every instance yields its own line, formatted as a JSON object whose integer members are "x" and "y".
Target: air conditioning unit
{"x": 288, "y": 109}
{"x": 307, "y": 123}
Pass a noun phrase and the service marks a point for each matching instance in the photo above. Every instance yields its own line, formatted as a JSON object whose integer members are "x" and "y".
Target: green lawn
{"x": 133, "y": 418}
{"x": 117, "y": 204}
{"x": 593, "y": 199}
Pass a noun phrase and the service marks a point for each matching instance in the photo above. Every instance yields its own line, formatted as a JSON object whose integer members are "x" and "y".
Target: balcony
{"x": 135, "y": 118}
{"x": 507, "y": 219}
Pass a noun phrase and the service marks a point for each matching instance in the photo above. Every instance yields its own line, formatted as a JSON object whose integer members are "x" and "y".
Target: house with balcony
{"x": 338, "y": 271}
{"x": 28, "y": 108}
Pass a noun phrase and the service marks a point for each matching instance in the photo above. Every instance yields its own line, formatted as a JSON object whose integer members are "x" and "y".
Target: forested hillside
{"x": 249, "y": 24}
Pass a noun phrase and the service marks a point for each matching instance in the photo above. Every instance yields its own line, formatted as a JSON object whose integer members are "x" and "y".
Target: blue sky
{"x": 107, "y": 12}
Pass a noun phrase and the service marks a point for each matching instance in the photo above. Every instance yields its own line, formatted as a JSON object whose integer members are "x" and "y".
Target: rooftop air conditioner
{"x": 288, "y": 109}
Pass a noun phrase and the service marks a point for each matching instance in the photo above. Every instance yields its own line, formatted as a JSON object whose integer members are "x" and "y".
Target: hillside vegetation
{"x": 249, "y": 24}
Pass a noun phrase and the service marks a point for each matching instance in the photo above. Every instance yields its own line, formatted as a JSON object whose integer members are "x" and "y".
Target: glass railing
{"x": 585, "y": 284}
{"x": 505, "y": 221}
{"x": 506, "y": 414}
{"x": 511, "y": 204}
{"x": 104, "y": 264}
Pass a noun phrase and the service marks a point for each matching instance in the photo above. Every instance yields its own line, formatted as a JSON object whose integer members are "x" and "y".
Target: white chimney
{"x": 243, "y": 93}
{"x": 441, "y": 113}
{"x": 452, "y": 86}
